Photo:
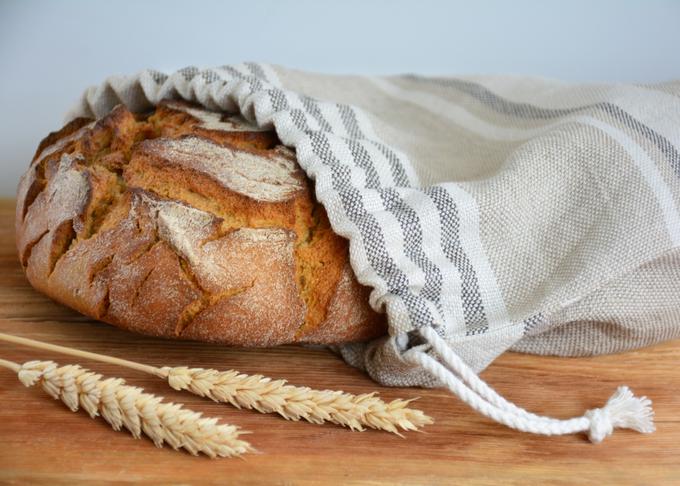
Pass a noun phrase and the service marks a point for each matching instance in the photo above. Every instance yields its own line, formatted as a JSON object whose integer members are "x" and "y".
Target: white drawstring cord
{"x": 622, "y": 410}
{"x": 471, "y": 379}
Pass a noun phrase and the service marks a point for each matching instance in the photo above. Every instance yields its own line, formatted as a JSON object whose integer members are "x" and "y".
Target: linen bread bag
{"x": 484, "y": 214}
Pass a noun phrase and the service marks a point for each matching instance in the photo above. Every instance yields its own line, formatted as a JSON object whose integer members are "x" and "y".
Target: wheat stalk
{"x": 294, "y": 403}
{"x": 130, "y": 407}
{"x": 265, "y": 395}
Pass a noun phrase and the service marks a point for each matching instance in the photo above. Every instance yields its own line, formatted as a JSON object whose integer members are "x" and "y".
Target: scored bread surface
{"x": 187, "y": 223}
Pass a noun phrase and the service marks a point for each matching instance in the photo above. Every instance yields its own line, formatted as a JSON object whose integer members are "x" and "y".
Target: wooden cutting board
{"x": 42, "y": 442}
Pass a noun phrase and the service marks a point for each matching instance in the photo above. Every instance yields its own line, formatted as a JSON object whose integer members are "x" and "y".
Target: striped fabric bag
{"x": 487, "y": 213}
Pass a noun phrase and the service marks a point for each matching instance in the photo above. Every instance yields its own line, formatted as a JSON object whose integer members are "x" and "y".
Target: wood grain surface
{"x": 42, "y": 442}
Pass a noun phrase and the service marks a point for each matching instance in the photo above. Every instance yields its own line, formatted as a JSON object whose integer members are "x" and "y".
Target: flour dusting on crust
{"x": 214, "y": 120}
{"x": 67, "y": 194}
{"x": 194, "y": 234}
{"x": 61, "y": 143}
{"x": 98, "y": 232}
{"x": 270, "y": 178}
{"x": 184, "y": 227}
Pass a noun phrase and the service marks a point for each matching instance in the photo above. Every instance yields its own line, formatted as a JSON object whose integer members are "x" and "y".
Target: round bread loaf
{"x": 187, "y": 223}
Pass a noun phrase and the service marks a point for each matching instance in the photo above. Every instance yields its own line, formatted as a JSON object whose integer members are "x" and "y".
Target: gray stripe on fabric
{"x": 527, "y": 110}
{"x": 313, "y": 110}
{"x": 359, "y": 153}
{"x": 256, "y": 70}
{"x": 370, "y": 230}
{"x": 210, "y": 76}
{"x": 499, "y": 104}
{"x": 398, "y": 172}
{"x": 349, "y": 119}
{"x": 530, "y": 323}
{"x": 363, "y": 160}
{"x": 234, "y": 73}
{"x": 256, "y": 84}
{"x": 189, "y": 72}
{"x": 473, "y": 308}
{"x": 361, "y": 156}
{"x": 157, "y": 76}
{"x": 410, "y": 224}
{"x": 661, "y": 142}
{"x": 408, "y": 220}
{"x": 413, "y": 236}
{"x": 278, "y": 100}
{"x": 396, "y": 167}
{"x": 351, "y": 124}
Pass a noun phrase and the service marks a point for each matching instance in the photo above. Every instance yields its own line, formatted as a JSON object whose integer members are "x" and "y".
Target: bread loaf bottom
{"x": 186, "y": 223}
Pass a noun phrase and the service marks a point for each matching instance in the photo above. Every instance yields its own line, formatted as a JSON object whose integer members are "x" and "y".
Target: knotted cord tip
{"x": 624, "y": 411}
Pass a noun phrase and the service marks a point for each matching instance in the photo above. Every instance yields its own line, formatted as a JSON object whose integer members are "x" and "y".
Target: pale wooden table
{"x": 42, "y": 442}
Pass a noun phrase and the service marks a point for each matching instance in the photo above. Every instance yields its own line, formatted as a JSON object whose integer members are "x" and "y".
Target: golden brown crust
{"x": 189, "y": 224}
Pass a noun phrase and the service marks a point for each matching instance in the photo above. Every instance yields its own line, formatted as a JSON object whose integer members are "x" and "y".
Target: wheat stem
{"x": 10, "y": 338}
{"x": 11, "y": 365}
{"x": 130, "y": 407}
{"x": 265, "y": 395}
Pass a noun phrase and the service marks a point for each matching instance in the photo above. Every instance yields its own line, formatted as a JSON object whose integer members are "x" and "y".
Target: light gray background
{"x": 51, "y": 51}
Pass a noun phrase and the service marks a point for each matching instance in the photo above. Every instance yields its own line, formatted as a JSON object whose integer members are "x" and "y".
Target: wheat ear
{"x": 269, "y": 396}
{"x": 294, "y": 403}
{"x": 130, "y": 407}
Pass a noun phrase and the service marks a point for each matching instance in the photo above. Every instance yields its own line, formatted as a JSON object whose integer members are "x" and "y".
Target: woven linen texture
{"x": 503, "y": 212}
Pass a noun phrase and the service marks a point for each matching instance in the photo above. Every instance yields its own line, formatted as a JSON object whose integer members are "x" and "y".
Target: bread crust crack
{"x": 186, "y": 223}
